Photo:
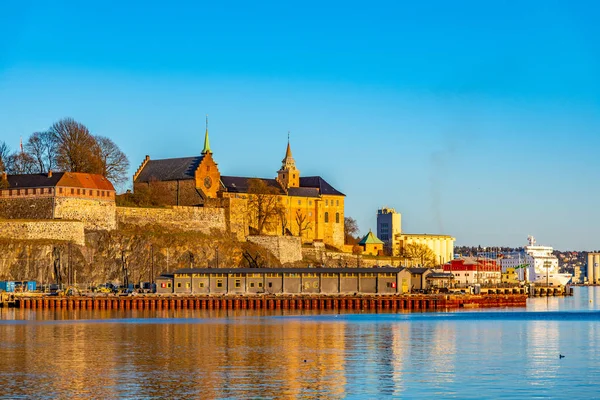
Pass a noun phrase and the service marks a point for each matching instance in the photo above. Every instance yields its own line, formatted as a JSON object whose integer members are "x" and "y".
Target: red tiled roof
{"x": 83, "y": 180}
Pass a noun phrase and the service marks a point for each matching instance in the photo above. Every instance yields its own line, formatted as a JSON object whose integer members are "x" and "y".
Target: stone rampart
{"x": 65, "y": 231}
{"x": 26, "y": 207}
{"x": 95, "y": 214}
{"x": 287, "y": 249}
{"x": 198, "y": 219}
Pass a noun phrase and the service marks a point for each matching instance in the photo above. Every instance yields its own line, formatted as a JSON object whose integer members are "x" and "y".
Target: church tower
{"x": 288, "y": 175}
{"x": 206, "y": 141}
{"x": 207, "y": 173}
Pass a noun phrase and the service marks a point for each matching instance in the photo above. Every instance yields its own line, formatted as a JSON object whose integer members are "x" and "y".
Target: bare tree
{"x": 283, "y": 217}
{"x": 263, "y": 204}
{"x": 420, "y": 253}
{"x": 20, "y": 163}
{"x": 42, "y": 147}
{"x": 350, "y": 230}
{"x": 302, "y": 222}
{"x": 4, "y": 154}
{"x": 113, "y": 161}
{"x": 77, "y": 150}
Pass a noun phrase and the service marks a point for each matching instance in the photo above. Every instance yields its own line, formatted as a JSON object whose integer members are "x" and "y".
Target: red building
{"x": 470, "y": 270}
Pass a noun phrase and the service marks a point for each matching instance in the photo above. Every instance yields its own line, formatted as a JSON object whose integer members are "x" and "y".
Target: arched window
{"x": 337, "y": 218}
{"x": 326, "y": 216}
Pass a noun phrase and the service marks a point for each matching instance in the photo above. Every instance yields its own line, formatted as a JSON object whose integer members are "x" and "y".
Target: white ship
{"x": 542, "y": 266}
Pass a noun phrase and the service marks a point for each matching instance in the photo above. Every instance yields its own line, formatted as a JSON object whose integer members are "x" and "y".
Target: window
{"x": 201, "y": 285}
{"x": 251, "y": 284}
{"x": 260, "y": 284}
{"x": 337, "y": 202}
{"x": 337, "y": 218}
{"x": 270, "y": 284}
{"x": 326, "y": 216}
{"x": 60, "y": 190}
{"x": 238, "y": 283}
{"x": 169, "y": 284}
{"x": 219, "y": 283}
{"x": 207, "y": 168}
{"x": 78, "y": 191}
{"x": 178, "y": 284}
{"x": 326, "y": 202}
{"x": 102, "y": 193}
{"x": 294, "y": 176}
{"x": 187, "y": 285}
{"x": 299, "y": 202}
{"x": 72, "y": 191}
{"x": 310, "y": 202}
{"x": 163, "y": 285}
{"x": 98, "y": 193}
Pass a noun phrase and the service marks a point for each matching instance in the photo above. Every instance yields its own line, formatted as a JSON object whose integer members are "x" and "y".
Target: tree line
{"x": 67, "y": 146}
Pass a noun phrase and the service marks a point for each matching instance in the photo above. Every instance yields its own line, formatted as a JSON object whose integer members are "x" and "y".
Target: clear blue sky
{"x": 479, "y": 119}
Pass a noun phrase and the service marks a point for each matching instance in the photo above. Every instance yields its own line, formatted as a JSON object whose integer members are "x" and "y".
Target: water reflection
{"x": 243, "y": 354}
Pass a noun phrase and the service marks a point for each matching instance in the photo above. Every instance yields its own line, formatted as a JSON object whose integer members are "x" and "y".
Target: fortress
{"x": 191, "y": 194}
{"x": 307, "y": 207}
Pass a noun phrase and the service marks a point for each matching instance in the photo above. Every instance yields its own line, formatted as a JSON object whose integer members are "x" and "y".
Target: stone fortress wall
{"x": 95, "y": 214}
{"x": 287, "y": 249}
{"x": 26, "y": 208}
{"x": 51, "y": 230}
{"x": 184, "y": 218}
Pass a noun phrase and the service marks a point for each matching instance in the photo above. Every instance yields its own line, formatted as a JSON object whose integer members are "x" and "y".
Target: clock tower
{"x": 288, "y": 176}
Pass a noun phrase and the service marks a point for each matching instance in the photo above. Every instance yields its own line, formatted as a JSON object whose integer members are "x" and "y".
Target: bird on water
{"x": 561, "y": 356}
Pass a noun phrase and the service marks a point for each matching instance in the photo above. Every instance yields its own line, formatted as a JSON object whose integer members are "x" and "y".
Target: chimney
{"x": 49, "y": 173}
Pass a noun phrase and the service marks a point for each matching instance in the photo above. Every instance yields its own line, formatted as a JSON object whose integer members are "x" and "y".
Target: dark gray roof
{"x": 440, "y": 275}
{"x": 303, "y": 192}
{"x": 418, "y": 271}
{"x": 285, "y": 270}
{"x": 239, "y": 184}
{"x": 169, "y": 169}
{"x": 34, "y": 180}
{"x": 319, "y": 183}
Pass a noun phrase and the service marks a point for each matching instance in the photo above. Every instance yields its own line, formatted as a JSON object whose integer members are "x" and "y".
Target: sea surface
{"x": 493, "y": 353}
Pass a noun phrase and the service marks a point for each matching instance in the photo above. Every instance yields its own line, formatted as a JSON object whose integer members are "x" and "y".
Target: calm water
{"x": 511, "y": 353}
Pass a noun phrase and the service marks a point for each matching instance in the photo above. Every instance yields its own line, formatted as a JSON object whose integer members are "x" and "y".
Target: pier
{"x": 318, "y": 302}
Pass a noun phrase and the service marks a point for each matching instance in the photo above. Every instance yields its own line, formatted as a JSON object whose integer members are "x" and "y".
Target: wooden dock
{"x": 315, "y": 302}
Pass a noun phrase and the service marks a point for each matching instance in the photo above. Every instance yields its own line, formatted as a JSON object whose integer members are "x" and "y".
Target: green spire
{"x": 206, "y": 141}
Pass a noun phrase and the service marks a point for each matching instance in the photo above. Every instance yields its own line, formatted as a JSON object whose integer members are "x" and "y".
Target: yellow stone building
{"x": 371, "y": 244}
{"x": 309, "y": 207}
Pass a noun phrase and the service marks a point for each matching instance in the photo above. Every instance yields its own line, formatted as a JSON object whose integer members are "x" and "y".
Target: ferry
{"x": 542, "y": 266}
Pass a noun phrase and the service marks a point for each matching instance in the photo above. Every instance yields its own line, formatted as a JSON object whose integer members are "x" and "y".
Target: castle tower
{"x": 288, "y": 175}
{"x": 207, "y": 173}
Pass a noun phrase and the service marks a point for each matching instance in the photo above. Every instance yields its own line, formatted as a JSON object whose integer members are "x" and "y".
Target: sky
{"x": 480, "y": 120}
